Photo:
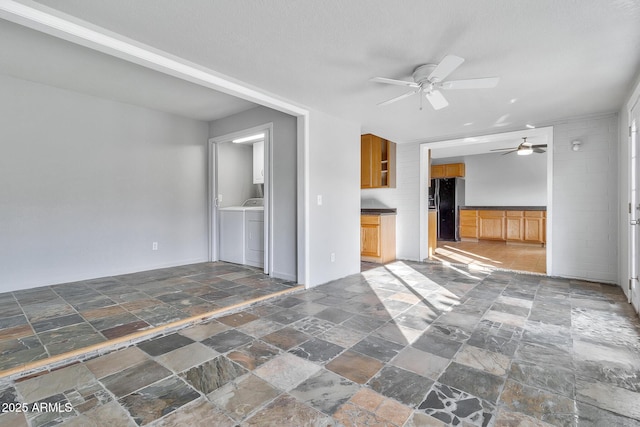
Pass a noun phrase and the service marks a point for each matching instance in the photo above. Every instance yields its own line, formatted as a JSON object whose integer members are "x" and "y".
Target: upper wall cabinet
{"x": 378, "y": 162}
{"x": 258, "y": 162}
{"x": 450, "y": 170}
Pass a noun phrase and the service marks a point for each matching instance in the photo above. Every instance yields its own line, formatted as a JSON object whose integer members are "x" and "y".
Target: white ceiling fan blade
{"x": 445, "y": 67}
{"x": 398, "y": 98}
{"x": 485, "y": 83}
{"x": 394, "y": 82}
{"x": 436, "y": 99}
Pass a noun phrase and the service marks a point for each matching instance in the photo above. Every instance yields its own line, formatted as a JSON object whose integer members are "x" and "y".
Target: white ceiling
{"x": 34, "y": 56}
{"x": 556, "y": 59}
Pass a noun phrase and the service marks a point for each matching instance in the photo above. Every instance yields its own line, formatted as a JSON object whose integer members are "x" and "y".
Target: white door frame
{"x": 633, "y": 226}
{"x": 212, "y": 191}
{"x": 546, "y": 132}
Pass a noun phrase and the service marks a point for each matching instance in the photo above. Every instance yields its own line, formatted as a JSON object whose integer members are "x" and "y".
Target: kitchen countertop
{"x": 504, "y": 208}
{"x": 378, "y": 211}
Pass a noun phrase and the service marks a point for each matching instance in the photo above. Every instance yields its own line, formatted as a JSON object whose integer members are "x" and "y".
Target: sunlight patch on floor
{"x": 451, "y": 248}
{"x": 429, "y": 294}
{"x": 476, "y": 265}
{"x": 462, "y": 259}
{"x": 490, "y": 255}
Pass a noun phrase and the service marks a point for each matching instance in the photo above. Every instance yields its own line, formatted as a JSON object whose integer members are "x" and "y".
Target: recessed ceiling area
{"x": 31, "y": 55}
{"x": 555, "y": 59}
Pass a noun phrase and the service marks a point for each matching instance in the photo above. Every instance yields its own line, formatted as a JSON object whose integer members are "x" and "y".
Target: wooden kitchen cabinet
{"x": 378, "y": 238}
{"x": 515, "y": 227}
{"x": 469, "y": 224}
{"x": 450, "y": 170}
{"x": 377, "y": 162}
{"x": 534, "y": 227}
{"x": 454, "y": 170}
{"x": 491, "y": 225}
{"x": 437, "y": 171}
{"x": 433, "y": 231}
{"x": 511, "y": 226}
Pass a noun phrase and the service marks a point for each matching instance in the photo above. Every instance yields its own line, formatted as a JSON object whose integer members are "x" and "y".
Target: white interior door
{"x": 634, "y": 208}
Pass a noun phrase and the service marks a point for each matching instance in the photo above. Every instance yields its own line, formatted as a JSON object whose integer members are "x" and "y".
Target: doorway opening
{"x": 499, "y": 206}
{"x": 240, "y": 198}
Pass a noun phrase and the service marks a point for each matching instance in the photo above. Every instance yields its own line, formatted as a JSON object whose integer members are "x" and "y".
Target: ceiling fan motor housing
{"x": 421, "y": 73}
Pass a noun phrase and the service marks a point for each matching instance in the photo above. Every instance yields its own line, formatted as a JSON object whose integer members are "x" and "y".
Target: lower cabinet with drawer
{"x": 469, "y": 224}
{"x": 523, "y": 226}
{"x": 378, "y": 238}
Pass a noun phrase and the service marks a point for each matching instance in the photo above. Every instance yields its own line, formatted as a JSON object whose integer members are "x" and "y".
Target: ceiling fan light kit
{"x": 524, "y": 149}
{"x": 428, "y": 79}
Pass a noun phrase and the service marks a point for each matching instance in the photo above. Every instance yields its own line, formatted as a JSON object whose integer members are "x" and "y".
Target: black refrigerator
{"x": 446, "y": 195}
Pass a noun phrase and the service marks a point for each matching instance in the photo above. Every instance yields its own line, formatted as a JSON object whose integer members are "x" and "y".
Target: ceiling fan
{"x": 525, "y": 148}
{"x": 429, "y": 79}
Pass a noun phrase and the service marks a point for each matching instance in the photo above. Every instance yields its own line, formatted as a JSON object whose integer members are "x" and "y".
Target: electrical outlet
{"x": 154, "y": 246}
{"x": 333, "y": 257}
{"x": 319, "y": 199}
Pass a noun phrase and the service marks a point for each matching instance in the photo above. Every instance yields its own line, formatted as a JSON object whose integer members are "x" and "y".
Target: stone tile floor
{"x": 50, "y": 320}
{"x": 406, "y": 344}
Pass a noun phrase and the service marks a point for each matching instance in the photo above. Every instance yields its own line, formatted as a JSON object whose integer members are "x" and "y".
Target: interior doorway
{"x": 240, "y": 198}
{"x": 508, "y": 209}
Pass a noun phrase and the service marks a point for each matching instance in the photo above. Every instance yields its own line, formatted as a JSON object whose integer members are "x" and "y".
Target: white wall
{"x": 284, "y": 170}
{"x": 511, "y": 180}
{"x": 88, "y": 184}
{"x": 585, "y": 199}
{"x": 334, "y": 174}
{"x": 235, "y": 173}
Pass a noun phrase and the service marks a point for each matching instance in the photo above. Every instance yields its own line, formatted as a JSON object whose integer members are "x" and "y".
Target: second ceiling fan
{"x": 428, "y": 79}
{"x": 525, "y": 148}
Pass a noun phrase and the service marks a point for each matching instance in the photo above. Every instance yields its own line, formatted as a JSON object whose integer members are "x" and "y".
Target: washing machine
{"x": 241, "y": 237}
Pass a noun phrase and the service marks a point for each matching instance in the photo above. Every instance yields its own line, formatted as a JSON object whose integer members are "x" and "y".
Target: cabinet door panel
{"x": 514, "y": 228}
{"x": 453, "y": 170}
{"x": 491, "y": 228}
{"x": 365, "y": 163}
{"x": 437, "y": 171}
{"x": 377, "y": 162}
{"x": 533, "y": 230}
{"x": 469, "y": 231}
{"x": 370, "y": 240}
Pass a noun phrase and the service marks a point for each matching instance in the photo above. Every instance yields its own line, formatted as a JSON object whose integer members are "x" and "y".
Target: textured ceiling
{"x": 556, "y": 59}
{"x": 34, "y": 56}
